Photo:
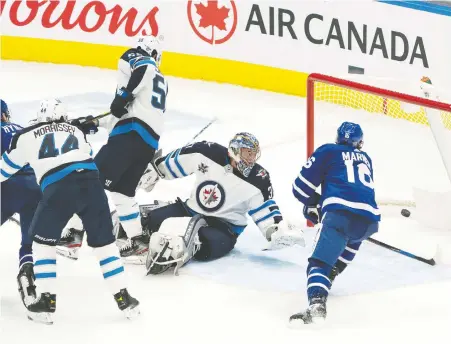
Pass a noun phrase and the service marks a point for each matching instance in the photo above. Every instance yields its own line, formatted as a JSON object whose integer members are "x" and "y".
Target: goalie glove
{"x": 285, "y": 235}
{"x": 155, "y": 161}
{"x": 149, "y": 179}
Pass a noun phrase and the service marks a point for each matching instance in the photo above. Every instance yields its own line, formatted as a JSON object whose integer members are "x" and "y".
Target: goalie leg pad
{"x": 216, "y": 242}
{"x": 174, "y": 244}
{"x": 153, "y": 215}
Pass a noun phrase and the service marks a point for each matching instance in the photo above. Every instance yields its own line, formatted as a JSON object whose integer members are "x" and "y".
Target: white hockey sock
{"x": 44, "y": 268}
{"x": 112, "y": 267}
{"x": 129, "y": 215}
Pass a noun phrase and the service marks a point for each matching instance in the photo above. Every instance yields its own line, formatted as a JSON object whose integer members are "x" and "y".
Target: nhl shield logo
{"x": 210, "y": 196}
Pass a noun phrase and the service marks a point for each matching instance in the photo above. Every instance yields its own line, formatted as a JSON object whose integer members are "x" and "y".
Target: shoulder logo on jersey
{"x": 202, "y": 168}
{"x": 262, "y": 173}
{"x": 210, "y": 196}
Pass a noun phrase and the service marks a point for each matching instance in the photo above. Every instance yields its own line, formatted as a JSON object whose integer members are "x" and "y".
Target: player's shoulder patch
{"x": 131, "y": 55}
{"x": 259, "y": 177}
{"x": 211, "y": 150}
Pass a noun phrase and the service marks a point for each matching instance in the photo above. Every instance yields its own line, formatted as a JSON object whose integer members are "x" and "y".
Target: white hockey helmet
{"x": 152, "y": 46}
{"x": 51, "y": 110}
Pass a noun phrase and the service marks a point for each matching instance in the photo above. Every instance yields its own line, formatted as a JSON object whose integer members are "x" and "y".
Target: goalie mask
{"x": 244, "y": 148}
{"x": 51, "y": 110}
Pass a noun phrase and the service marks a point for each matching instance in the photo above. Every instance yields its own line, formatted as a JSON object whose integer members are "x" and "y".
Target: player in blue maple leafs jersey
{"x": 21, "y": 193}
{"x": 346, "y": 208}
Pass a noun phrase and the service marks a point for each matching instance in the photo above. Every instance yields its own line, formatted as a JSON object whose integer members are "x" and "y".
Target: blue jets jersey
{"x": 8, "y": 131}
{"x": 346, "y": 178}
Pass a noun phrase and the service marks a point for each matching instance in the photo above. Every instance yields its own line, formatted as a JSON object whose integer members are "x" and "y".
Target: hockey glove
{"x": 148, "y": 179}
{"x": 156, "y": 161}
{"x": 313, "y": 213}
{"x": 286, "y": 235}
{"x": 120, "y": 102}
{"x": 87, "y": 124}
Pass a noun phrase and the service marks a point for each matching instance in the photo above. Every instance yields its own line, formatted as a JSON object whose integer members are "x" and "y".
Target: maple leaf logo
{"x": 222, "y": 19}
{"x": 212, "y": 15}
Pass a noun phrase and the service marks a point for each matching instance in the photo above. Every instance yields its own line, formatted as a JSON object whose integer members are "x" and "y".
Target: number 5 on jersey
{"x": 159, "y": 92}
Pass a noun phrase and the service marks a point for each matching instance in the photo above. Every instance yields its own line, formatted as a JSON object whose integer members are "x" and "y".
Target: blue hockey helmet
{"x": 350, "y": 134}
{"x": 6, "y": 115}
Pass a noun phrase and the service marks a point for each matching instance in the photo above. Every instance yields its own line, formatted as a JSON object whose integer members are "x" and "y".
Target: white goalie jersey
{"x": 220, "y": 191}
{"x": 53, "y": 150}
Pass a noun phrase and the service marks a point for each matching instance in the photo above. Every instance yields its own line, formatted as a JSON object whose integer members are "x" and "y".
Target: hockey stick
{"x": 202, "y": 130}
{"x": 404, "y": 253}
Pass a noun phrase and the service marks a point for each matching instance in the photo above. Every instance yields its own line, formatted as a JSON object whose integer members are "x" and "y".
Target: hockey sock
{"x": 347, "y": 256}
{"x": 129, "y": 215}
{"x": 44, "y": 267}
{"x": 318, "y": 284}
{"x": 25, "y": 255}
{"x": 112, "y": 267}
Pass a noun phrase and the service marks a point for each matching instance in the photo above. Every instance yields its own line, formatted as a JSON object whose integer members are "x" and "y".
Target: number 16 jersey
{"x": 346, "y": 178}
{"x": 53, "y": 150}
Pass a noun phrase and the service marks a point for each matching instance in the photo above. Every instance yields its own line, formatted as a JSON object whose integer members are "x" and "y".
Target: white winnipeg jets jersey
{"x": 221, "y": 191}
{"x": 53, "y": 150}
{"x": 140, "y": 75}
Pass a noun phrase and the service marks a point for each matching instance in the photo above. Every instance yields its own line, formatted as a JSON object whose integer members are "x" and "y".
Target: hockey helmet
{"x": 6, "y": 115}
{"x": 152, "y": 46}
{"x": 51, "y": 110}
{"x": 350, "y": 134}
{"x": 244, "y": 148}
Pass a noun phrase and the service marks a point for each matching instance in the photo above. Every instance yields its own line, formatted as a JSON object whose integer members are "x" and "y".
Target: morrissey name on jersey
{"x": 54, "y": 127}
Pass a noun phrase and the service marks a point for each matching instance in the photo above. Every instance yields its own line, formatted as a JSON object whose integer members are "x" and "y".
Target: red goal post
{"x": 378, "y": 101}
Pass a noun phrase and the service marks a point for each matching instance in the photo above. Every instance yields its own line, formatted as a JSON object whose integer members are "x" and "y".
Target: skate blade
{"x": 132, "y": 313}
{"x": 135, "y": 260}
{"x": 43, "y": 318}
{"x": 297, "y": 324}
{"x": 67, "y": 253}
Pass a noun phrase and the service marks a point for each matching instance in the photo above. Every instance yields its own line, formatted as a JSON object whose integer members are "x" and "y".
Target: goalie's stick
{"x": 404, "y": 253}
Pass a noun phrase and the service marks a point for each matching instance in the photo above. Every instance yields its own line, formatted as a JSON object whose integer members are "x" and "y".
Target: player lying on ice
{"x": 228, "y": 185}
{"x": 346, "y": 208}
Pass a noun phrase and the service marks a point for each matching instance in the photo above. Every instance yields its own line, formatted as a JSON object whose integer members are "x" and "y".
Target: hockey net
{"x": 408, "y": 137}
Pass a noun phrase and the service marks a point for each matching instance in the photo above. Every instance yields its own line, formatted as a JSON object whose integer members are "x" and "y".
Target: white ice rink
{"x": 248, "y": 296}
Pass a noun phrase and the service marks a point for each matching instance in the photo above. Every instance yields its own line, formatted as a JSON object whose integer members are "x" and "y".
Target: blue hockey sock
{"x": 25, "y": 255}
{"x": 348, "y": 254}
{"x": 318, "y": 284}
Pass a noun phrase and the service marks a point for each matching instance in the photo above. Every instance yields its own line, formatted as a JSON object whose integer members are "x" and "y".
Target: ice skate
{"x": 314, "y": 314}
{"x": 134, "y": 251}
{"x": 70, "y": 243}
{"x": 42, "y": 308}
{"x": 25, "y": 281}
{"x": 127, "y": 304}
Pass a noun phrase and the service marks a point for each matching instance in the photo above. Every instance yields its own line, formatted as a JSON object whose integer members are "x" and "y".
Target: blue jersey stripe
{"x": 8, "y": 161}
{"x": 264, "y": 205}
{"x": 54, "y": 177}
{"x": 271, "y": 214}
{"x": 5, "y": 174}
{"x": 128, "y": 127}
{"x": 129, "y": 217}
{"x": 182, "y": 171}
{"x": 166, "y": 162}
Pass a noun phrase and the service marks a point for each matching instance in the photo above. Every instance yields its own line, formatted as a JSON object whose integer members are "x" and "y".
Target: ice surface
{"x": 247, "y": 296}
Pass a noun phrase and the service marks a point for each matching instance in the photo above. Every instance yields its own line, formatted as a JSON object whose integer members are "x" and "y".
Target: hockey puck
{"x": 405, "y": 213}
